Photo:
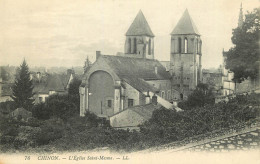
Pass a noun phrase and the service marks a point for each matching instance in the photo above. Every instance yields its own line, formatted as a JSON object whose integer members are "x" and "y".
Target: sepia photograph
{"x": 130, "y": 81}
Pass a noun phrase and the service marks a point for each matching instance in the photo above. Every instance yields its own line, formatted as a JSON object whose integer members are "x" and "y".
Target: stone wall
{"x": 239, "y": 141}
{"x": 238, "y": 138}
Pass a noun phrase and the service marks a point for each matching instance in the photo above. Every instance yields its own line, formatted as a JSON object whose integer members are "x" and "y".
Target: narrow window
{"x": 200, "y": 46}
{"x": 172, "y": 46}
{"x": 162, "y": 94}
{"x": 185, "y": 45}
{"x": 109, "y": 103}
{"x": 130, "y": 102}
{"x": 181, "y": 96}
{"x": 129, "y": 46}
{"x": 135, "y": 44}
{"x": 149, "y": 47}
{"x": 179, "y": 43}
{"x": 197, "y": 45}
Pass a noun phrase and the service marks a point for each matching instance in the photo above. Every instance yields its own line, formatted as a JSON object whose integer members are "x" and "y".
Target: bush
{"x": 51, "y": 130}
{"x": 58, "y": 106}
{"x": 200, "y": 97}
{"x": 168, "y": 126}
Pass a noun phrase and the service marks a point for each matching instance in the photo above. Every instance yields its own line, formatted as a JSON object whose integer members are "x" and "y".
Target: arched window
{"x": 185, "y": 45}
{"x": 179, "y": 43}
{"x": 135, "y": 44}
{"x": 129, "y": 46}
{"x": 149, "y": 47}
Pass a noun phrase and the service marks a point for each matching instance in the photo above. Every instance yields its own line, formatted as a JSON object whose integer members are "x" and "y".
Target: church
{"x": 115, "y": 83}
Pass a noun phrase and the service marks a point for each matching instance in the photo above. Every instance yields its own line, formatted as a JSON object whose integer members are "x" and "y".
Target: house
{"x": 213, "y": 77}
{"x": 21, "y": 114}
{"x": 229, "y": 87}
{"x": 133, "y": 116}
{"x": 49, "y": 84}
{"x": 5, "y": 91}
{"x": 7, "y": 79}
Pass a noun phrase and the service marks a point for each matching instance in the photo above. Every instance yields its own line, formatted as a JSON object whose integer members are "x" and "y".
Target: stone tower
{"x": 139, "y": 39}
{"x": 185, "y": 54}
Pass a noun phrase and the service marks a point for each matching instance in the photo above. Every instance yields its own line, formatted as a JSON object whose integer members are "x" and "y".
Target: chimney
{"x": 154, "y": 99}
{"x": 155, "y": 70}
{"x": 98, "y": 54}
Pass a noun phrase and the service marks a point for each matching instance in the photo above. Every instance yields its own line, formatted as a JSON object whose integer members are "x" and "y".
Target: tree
{"x": 74, "y": 87}
{"x": 87, "y": 65}
{"x": 242, "y": 58}
{"x": 23, "y": 87}
{"x": 201, "y": 96}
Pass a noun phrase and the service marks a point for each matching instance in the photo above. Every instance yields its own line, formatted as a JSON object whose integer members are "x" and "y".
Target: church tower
{"x": 185, "y": 54}
{"x": 240, "y": 19}
{"x": 139, "y": 39}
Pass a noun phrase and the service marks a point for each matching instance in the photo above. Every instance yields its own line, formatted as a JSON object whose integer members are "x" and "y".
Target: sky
{"x": 64, "y": 32}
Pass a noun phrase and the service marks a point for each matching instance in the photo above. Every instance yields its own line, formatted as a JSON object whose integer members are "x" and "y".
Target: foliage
{"x": 74, "y": 87}
{"x": 87, "y": 64}
{"x": 51, "y": 130}
{"x": 90, "y": 132}
{"x": 201, "y": 96}
{"x": 7, "y": 107}
{"x": 172, "y": 126}
{"x": 243, "y": 58}
{"x": 23, "y": 87}
{"x": 40, "y": 111}
{"x": 58, "y": 106}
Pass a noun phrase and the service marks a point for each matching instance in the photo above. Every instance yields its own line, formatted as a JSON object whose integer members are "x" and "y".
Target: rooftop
{"x": 185, "y": 25}
{"x": 130, "y": 68}
{"x": 139, "y": 26}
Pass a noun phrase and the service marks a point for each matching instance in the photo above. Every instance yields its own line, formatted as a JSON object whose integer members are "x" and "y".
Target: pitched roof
{"x": 145, "y": 111}
{"x": 139, "y": 26}
{"x": 140, "y": 84}
{"x": 54, "y": 82}
{"x": 130, "y": 68}
{"x": 185, "y": 25}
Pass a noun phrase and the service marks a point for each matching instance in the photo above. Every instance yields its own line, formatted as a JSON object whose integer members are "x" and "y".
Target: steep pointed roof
{"x": 240, "y": 19}
{"x": 185, "y": 25}
{"x": 139, "y": 26}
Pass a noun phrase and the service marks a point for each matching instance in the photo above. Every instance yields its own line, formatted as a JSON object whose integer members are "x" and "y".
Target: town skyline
{"x": 63, "y": 34}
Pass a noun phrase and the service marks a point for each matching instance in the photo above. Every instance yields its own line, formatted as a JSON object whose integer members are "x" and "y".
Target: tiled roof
{"x": 54, "y": 82}
{"x": 128, "y": 68}
{"x": 185, "y": 25}
{"x": 140, "y": 84}
{"x": 139, "y": 26}
{"x": 6, "y": 89}
{"x": 146, "y": 111}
